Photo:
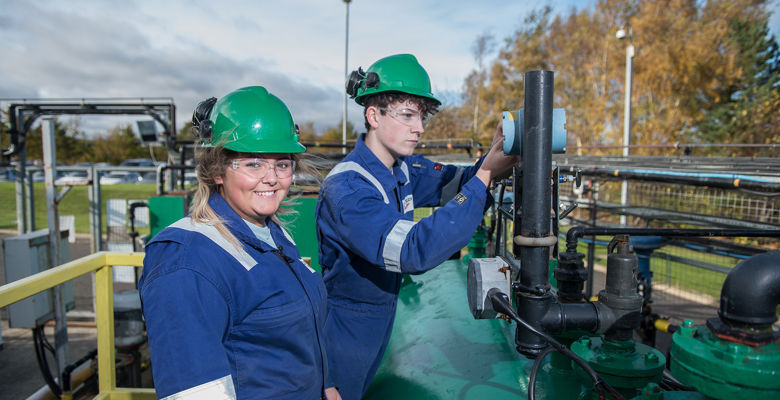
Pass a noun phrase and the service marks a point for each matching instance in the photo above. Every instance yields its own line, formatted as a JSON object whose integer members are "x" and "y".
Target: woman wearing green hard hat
{"x": 232, "y": 311}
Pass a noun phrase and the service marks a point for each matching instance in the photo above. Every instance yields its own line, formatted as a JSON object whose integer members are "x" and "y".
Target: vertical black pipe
{"x": 537, "y": 166}
{"x": 536, "y": 205}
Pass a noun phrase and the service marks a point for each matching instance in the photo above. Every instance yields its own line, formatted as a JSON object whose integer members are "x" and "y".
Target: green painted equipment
{"x": 300, "y": 224}
{"x": 165, "y": 210}
{"x": 439, "y": 351}
{"x": 626, "y": 365}
{"x": 724, "y": 370}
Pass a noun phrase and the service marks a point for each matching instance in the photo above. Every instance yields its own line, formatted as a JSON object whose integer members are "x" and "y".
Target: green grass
{"x": 74, "y": 203}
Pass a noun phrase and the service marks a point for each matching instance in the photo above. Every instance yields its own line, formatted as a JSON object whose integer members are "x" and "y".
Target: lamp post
{"x": 346, "y": 72}
{"x": 621, "y": 34}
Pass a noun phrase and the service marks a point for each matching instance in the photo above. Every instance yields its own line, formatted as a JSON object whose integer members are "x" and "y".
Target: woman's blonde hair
{"x": 212, "y": 163}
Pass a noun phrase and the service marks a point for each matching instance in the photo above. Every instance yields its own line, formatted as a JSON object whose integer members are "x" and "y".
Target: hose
{"x": 535, "y": 371}
{"x": 40, "y": 354}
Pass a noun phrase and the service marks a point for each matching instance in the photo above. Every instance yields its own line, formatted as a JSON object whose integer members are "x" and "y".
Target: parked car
{"x": 137, "y": 162}
{"x": 120, "y": 177}
{"x": 148, "y": 177}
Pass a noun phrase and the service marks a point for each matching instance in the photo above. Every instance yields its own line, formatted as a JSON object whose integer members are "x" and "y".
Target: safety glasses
{"x": 258, "y": 168}
{"x": 406, "y": 116}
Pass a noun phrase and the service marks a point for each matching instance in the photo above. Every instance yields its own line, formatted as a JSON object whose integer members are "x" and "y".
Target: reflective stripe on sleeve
{"x": 391, "y": 253}
{"x": 213, "y": 234}
{"x": 220, "y": 389}
{"x": 353, "y": 166}
{"x": 449, "y": 190}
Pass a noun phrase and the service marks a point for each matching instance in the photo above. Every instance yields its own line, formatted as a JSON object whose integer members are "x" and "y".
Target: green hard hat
{"x": 399, "y": 73}
{"x": 250, "y": 120}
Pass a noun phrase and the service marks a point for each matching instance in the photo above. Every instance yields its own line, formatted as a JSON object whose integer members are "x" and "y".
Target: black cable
{"x": 535, "y": 371}
{"x": 672, "y": 382}
{"x": 43, "y": 365}
{"x": 500, "y": 303}
{"x": 48, "y": 345}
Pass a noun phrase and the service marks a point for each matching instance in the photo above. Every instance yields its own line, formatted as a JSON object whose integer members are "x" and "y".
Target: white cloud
{"x": 190, "y": 50}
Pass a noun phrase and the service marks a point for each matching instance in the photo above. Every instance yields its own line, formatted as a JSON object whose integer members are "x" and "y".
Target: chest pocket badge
{"x": 408, "y": 203}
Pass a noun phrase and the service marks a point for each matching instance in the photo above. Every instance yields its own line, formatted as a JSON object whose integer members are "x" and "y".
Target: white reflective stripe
{"x": 391, "y": 253}
{"x": 213, "y": 234}
{"x": 353, "y": 166}
{"x": 405, "y": 170}
{"x": 287, "y": 235}
{"x": 451, "y": 188}
{"x": 220, "y": 389}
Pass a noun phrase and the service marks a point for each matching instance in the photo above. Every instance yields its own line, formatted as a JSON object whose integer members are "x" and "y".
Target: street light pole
{"x": 626, "y": 114}
{"x": 346, "y": 72}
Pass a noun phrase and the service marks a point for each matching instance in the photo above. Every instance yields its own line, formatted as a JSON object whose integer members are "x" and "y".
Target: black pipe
{"x": 537, "y": 164}
{"x": 536, "y": 204}
{"x": 563, "y": 317}
{"x": 500, "y": 303}
{"x": 751, "y": 292}
{"x": 577, "y": 232}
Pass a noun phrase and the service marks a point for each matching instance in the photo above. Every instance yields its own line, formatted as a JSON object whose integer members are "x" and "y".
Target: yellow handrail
{"x": 101, "y": 263}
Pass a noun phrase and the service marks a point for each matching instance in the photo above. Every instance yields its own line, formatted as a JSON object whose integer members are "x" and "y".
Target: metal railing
{"x": 101, "y": 263}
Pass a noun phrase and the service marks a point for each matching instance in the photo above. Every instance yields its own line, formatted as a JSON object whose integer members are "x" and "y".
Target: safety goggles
{"x": 258, "y": 168}
{"x": 406, "y": 116}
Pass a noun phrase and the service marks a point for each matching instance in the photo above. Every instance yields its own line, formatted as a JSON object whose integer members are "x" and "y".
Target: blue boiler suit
{"x": 368, "y": 240}
{"x": 232, "y": 323}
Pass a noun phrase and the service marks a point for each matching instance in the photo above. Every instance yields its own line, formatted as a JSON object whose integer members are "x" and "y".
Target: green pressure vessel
{"x": 439, "y": 351}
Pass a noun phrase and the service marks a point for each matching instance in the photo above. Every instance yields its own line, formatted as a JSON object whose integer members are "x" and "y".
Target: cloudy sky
{"x": 190, "y": 50}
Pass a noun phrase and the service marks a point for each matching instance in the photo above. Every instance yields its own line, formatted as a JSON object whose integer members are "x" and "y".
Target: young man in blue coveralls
{"x": 365, "y": 226}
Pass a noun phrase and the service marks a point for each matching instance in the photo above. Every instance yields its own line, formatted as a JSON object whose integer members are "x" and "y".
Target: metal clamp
{"x": 528, "y": 241}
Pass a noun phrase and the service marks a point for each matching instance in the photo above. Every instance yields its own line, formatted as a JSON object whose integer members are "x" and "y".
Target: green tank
{"x": 439, "y": 351}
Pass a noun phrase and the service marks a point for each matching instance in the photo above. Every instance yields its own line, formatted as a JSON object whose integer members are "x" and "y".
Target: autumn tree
{"x": 691, "y": 58}
{"x": 336, "y": 133}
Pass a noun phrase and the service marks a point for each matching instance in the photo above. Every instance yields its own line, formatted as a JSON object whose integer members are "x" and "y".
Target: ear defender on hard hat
{"x": 200, "y": 119}
{"x": 354, "y": 81}
{"x": 359, "y": 80}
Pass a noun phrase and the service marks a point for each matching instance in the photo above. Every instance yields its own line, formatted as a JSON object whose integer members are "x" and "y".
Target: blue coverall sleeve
{"x": 435, "y": 184}
{"x": 383, "y": 237}
{"x": 186, "y": 321}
